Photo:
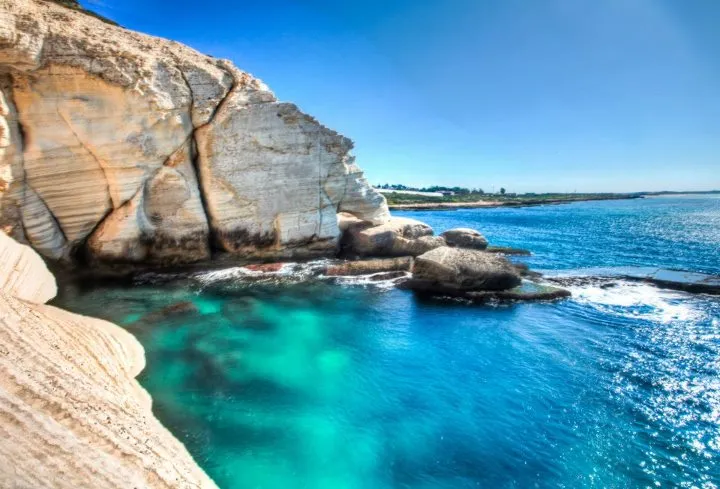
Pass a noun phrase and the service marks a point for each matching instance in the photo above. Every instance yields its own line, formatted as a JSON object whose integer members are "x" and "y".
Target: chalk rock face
{"x": 73, "y": 414}
{"x": 23, "y": 274}
{"x": 457, "y": 269}
{"x": 275, "y": 178}
{"x": 465, "y": 238}
{"x": 138, "y": 149}
{"x": 398, "y": 237}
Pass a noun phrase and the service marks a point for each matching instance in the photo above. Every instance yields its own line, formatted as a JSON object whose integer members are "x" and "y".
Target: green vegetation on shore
{"x": 394, "y": 198}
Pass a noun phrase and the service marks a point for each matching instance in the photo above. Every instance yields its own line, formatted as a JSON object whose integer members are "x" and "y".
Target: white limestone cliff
{"x": 131, "y": 148}
{"x": 73, "y": 414}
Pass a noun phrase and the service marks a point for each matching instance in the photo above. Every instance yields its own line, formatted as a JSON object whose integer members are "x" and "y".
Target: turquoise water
{"x": 360, "y": 385}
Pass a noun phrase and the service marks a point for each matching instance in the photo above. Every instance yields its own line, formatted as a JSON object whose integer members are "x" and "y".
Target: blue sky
{"x": 531, "y": 95}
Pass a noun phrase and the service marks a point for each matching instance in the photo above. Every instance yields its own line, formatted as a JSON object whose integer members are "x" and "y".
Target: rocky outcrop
{"x": 132, "y": 149}
{"x": 73, "y": 414}
{"x": 450, "y": 270}
{"x": 398, "y": 237}
{"x": 465, "y": 238}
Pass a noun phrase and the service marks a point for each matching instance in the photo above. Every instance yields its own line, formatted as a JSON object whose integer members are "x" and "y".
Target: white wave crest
{"x": 638, "y": 300}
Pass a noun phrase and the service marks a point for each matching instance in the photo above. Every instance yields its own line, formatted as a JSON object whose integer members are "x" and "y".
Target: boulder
{"x": 398, "y": 237}
{"x": 449, "y": 269}
{"x": 465, "y": 238}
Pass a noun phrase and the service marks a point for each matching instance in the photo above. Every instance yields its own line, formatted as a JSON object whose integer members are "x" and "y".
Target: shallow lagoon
{"x": 319, "y": 385}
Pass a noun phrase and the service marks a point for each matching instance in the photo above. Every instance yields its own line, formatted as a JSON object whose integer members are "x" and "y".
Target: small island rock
{"x": 449, "y": 269}
{"x": 465, "y": 238}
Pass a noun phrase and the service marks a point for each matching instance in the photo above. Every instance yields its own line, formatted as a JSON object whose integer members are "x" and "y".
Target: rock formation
{"x": 399, "y": 236}
{"x": 124, "y": 148}
{"x": 73, "y": 414}
{"x": 465, "y": 238}
{"x": 448, "y": 270}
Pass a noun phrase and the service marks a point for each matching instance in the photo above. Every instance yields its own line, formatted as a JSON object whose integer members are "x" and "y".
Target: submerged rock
{"x": 465, "y": 238}
{"x": 506, "y": 250}
{"x": 398, "y": 237}
{"x": 526, "y": 292}
{"x": 449, "y": 269}
{"x": 177, "y": 309}
{"x": 693, "y": 282}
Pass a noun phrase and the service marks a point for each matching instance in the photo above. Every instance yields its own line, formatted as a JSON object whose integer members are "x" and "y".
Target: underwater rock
{"x": 526, "y": 292}
{"x": 693, "y": 282}
{"x": 465, "y": 238}
{"x": 179, "y": 308}
{"x": 506, "y": 250}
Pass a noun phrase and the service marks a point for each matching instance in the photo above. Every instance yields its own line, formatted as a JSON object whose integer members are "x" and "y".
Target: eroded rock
{"x": 465, "y": 238}
{"x": 449, "y": 270}
{"x": 398, "y": 237}
{"x": 73, "y": 414}
{"x": 150, "y": 152}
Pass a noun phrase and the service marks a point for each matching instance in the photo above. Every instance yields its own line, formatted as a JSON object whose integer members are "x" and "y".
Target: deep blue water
{"x": 318, "y": 385}
{"x": 670, "y": 232}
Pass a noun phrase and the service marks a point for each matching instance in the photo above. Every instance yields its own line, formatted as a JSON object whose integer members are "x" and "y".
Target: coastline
{"x": 439, "y": 206}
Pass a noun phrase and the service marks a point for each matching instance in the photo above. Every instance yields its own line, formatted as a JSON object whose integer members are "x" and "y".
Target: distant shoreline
{"x": 529, "y": 202}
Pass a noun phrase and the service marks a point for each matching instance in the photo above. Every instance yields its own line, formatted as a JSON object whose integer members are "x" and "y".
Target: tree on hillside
{"x": 502, "y": 190}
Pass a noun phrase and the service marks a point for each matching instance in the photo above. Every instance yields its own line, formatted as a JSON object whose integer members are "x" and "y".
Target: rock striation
{"x": 118, "y": 147}
{"x": 73, "y": 414}
{"x": 23, "y": 273}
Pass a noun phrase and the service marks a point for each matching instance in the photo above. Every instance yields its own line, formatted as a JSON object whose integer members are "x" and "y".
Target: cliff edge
{"x": 73, "y": 414}
{"x": 118, "y": 147}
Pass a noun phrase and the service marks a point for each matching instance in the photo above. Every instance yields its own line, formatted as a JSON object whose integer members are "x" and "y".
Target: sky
{"x": 530, "y": 95}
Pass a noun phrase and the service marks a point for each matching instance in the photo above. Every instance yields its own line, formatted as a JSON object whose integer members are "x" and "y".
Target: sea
{"x": 312, "y": 383}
